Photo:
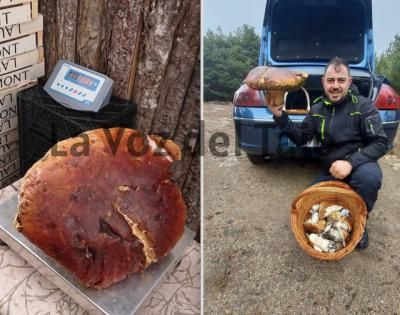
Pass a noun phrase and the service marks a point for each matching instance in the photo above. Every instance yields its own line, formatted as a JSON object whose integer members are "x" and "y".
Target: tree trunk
{"x": 121, "y": 45}
{"x": 187, "y": 135}
{"x": 90, "y": 34}
{"x": 151, "y": 49}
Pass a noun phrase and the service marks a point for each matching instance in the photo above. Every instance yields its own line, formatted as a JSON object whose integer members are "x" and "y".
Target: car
{"x": 304, "y": 36}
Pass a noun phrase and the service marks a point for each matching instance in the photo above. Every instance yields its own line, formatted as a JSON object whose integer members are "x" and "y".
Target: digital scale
{"x": 78, "y": 88}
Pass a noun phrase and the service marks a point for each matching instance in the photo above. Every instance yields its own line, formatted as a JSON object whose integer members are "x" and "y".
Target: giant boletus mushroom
{"x": 276, "y": 82}
{"x": 107, "y": 213}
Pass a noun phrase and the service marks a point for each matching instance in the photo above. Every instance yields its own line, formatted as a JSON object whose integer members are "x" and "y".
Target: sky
{"x": 231, "y": 14}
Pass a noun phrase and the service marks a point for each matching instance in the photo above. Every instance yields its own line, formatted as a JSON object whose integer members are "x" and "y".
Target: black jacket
{"x": 350, "y": 130}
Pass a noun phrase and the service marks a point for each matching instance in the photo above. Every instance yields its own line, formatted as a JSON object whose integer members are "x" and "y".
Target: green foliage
{"x": 388, "y": 64}
{"x": 227, "y": 60}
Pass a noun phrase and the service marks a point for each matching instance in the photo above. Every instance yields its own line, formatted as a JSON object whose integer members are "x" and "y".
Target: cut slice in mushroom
{"x": 276, "y": 82}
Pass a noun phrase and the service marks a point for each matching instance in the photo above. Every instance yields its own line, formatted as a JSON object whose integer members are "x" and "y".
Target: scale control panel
{"x": 78, "y": 88}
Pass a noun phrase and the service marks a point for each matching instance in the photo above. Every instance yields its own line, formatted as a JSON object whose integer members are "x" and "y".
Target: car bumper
{"x": 263, "y": 137}
{"x": 258, "y": 134}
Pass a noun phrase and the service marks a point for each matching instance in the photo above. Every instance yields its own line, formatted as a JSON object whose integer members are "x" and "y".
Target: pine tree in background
{"x": 227, "y": 60}
{"x": 388, "y": 63}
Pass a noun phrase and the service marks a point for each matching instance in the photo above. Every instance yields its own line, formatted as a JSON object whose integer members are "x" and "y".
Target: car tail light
{"x": 246, "y": 96}
{"x": 387, "y": 98}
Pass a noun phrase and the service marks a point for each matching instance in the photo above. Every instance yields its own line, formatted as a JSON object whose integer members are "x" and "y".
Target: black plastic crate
{"x": 42, "y": 122}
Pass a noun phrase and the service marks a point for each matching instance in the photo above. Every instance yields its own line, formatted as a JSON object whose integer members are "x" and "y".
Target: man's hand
{"x": 340, "y": 169}
{"x": 276, "y": 110}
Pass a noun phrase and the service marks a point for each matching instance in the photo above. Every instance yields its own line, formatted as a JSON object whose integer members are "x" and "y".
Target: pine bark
{"x": 90, "y": 32}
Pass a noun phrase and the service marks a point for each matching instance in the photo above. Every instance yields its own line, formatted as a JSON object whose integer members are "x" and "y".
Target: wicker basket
{"x": 338, "y": 193}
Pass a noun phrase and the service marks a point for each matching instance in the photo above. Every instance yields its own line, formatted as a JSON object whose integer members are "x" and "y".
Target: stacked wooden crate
{"x": 21, "y": 64}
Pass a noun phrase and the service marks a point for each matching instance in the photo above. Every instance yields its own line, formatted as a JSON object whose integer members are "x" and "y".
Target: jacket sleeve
{"x": 375, "y": 139}
{"x": 298, "y": 134}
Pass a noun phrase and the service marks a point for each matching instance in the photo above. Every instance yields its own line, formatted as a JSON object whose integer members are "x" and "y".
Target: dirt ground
{"x": 252, "y": 263}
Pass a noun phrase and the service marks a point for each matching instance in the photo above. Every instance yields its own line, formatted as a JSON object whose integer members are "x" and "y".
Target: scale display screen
{"x": 82, "y": 80}
{"x": 79, "y": 88}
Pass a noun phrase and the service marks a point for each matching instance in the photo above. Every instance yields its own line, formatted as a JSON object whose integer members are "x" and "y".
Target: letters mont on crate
{"x": 21, "y": 64}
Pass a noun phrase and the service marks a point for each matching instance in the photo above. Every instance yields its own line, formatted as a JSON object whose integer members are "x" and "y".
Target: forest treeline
{"x": 228, "y": 59}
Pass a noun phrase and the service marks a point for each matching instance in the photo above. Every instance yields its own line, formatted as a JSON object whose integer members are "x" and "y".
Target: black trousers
{"x": 365, "y": 180}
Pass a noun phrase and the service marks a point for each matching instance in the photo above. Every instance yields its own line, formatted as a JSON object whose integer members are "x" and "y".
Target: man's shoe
{"x": 364, "y": 240}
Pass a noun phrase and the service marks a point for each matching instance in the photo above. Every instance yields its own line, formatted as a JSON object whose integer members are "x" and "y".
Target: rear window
{"x": 310, "y": 30}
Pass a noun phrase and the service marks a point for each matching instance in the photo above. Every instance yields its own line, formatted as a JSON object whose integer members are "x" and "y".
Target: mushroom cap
{"x": 272, "y": 78}
{"x": 107, "y": 213}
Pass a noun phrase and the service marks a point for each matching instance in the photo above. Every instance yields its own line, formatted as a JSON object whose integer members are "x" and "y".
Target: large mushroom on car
{"x": 275, "y": 81}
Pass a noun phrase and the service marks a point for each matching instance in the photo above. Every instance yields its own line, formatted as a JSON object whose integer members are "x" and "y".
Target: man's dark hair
{"x": 337, "y": 62}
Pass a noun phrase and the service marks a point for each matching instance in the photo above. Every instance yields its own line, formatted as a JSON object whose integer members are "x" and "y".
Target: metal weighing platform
{"x": 123, "y": 298}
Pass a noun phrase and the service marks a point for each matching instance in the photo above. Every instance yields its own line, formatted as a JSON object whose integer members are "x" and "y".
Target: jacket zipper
{"x": 333, "y": 116}
{"x": 322, "y": 125}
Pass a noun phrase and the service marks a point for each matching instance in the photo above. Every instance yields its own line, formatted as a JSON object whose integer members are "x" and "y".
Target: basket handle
{"x": 307, "y": 97}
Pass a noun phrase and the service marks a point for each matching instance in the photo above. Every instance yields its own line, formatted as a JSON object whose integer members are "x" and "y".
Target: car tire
{"x": 256, "y": 159}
